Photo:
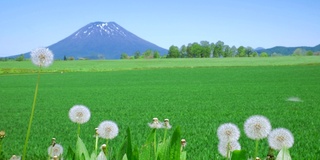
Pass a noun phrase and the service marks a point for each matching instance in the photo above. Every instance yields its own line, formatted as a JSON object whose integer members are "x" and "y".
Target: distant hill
{"x": 101, "y": 39}
{"x": 287, "y": 50}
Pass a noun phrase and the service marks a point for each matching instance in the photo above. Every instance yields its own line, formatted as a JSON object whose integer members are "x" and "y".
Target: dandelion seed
{"x": 294, "y": 99}
{"x": 228, "y": 132}
{"x": 155, "y": 124}
{"x": 14, "y": 157}
{"x": 108, "y": 130}
{"x": 225, "y": 147}
{"x": 257, "y": 127}
{"x": 2, "y": 134}
{"x": 280, "y": 138}
{"x": 79, "y": 114}
{"x": 183, "y": 143}
{"x": 166, "y": 124}
{"x": 55, "y": 150}
{"x": 42, "y": 57}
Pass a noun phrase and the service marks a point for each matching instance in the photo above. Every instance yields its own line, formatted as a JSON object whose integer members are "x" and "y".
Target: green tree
{"x": 227, "y": 51}
{"x": 183, "y": 51}
{"x": 64, "y": 58}
{"x": 218, "y": 49}
{"x": 255, "y": 54}
{"x": 234, "y": 50}
{"x": 206, "y": 50}
{"x": 147, "y": 54}
{"x": 137, "y": 55}
{"x": 20, "y": 58}
{"x": 156, "y": 54}
{"x": 309, "y": 53}
{"x": 241, "y": 51}
{"x": 196, "y": 50}
{"x": 124, "y": 56}
{"x": 249, "y": 51}
{"x": 297, "y": 52}
{"x": 173, "y": 52}
{"x": 264, "y": 54}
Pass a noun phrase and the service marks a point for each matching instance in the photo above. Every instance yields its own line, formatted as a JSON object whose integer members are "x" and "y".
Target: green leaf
{"x": 163, "y": 149}
{"x": 70, "y": 154}
{"x": 283, "y": 154}
{"x": 81, "y": 150}
{"x": 183, "y": 155}
{"x": 93, "y": 156}
{"x": 239, "y": 155}
{"x": 175, "y": 145}
{"x": 147, "y": 148}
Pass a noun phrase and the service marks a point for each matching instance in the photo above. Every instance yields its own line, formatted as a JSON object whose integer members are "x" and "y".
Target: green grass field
{"x": 196, "y": 94}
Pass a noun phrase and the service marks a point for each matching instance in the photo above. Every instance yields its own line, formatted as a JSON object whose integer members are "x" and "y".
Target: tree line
{"x": 205, "y": 49}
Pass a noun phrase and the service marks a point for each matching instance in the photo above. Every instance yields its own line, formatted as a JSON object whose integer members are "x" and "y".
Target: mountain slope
{"x": 96, "y": 39}
{"x": 288, "y": 50}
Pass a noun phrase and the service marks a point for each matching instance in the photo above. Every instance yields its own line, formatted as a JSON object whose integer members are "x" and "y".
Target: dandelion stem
{"x": 96, "y": 144}
{"x": 78, "y": 129}
{"x": 31, "y": 117}
{"x": 165, "y": 134}
{"x": 106, "y": 153}
{"x": 154, "y": 145}
{"x": 256, "y": 150}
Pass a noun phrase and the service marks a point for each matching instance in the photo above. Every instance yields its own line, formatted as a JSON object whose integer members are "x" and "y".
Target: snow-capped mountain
{"x": 102, "y": 39}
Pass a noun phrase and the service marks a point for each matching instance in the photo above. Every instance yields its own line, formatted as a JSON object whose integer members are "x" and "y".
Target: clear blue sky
{"x": 26, "y": 25}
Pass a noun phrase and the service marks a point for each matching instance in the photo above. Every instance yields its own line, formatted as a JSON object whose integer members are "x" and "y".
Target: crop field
{"x": 196, "y": 94}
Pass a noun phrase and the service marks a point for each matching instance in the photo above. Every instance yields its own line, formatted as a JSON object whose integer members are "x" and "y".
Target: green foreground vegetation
{"x": 196, "y": 94}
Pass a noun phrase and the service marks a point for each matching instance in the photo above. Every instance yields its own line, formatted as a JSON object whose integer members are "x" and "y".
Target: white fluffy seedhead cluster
{"x": 280, "y": 138}
{"x": 55, "y": 150}
{"x": 225, "y": 148}
{"x": 42, "y": 57}
{"x": 108, "y": 129}
{"x": 257, "y": 127}
{"x": 156, "y": 124}
{"x": 79, "y": 114}
{"x": 228, "y": 132}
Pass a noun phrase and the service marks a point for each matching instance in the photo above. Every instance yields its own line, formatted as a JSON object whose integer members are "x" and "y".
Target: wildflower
{"x": 108, "y": 130}
{"x": 79, "y": 114}
{"x": 183, "y": 143}
{"x": 228, "y": 132}
{"x": 55, "y": 150}
{"x": 225, "y": 148}
{"x": 280, "y": 138}
{"x": 2, "y": 134}
{"x": 155, "y": 123}
{"x": 14, "y": 157}
{"x": 42, "y": 57}
{"x": 166, "y": 124}
{"x": 257, "y": 127}
{"x": 101, "y": 155}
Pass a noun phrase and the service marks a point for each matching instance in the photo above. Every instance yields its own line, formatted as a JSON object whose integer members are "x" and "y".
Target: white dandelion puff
{"x": 280, "y": 138}
{"x": 228, "y": 132}
{"x": 55, "y": 150}
{"x": 166, "y": 124}
{"x": 225, "y": 148}
{"x": 294, "y": 99}
{"x": 155, "y": 123}
{"x": 14, "y": 157}
{"x": 79, "y": 114}
{"x": 108, "y": 129}
{"x": 42, "y": 57}
{"x": 257, "y": 127}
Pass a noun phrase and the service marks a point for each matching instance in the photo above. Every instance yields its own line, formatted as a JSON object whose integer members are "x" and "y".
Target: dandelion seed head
{"x": 155, "y": 123}
{"x": 2, "y": 134}
{"x": 280, "y": 138}
{"x": 79, "y": 114}
{"x": 55, "y": 150}
{"x": 108, "y": 129}
{"x": 42, "y": 57}
{"x": 228, "y": 132}
{"x": 14, "y": 157}
{"x": 183, "y": 143}
{"x": 257, "y": 127}
{"x": 224, "y": 146}
{"x": 166, "y": 124}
